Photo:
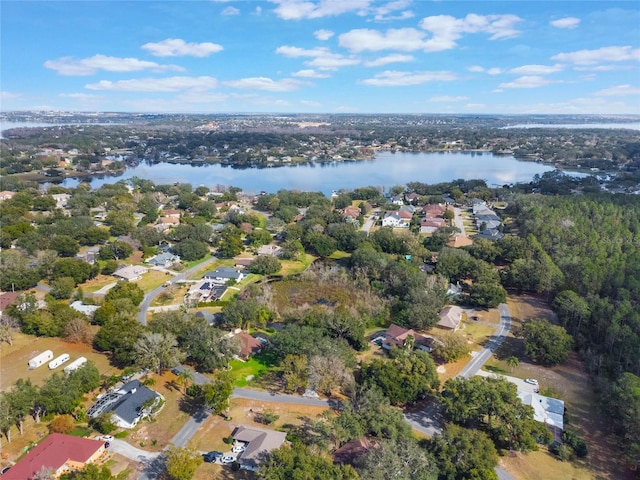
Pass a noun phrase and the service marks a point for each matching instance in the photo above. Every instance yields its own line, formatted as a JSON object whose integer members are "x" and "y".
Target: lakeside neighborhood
{"x": 247, "y": 246}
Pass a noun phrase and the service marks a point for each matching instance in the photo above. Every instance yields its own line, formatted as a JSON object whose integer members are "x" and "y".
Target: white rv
{"x": 40, "y": 359}
{"x": 56, "y": 362}
{"x": 76, "y": 364}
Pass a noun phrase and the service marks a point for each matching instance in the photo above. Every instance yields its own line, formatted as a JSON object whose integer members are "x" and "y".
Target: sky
{"x": 321, "y": 56}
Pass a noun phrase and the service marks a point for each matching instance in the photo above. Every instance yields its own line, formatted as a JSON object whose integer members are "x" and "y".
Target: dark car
{"x": 4, "y": 470}
{"x": 211, "y": 457}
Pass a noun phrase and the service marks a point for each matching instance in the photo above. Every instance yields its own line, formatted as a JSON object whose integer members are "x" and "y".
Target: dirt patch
{"x": 14, "y": 358}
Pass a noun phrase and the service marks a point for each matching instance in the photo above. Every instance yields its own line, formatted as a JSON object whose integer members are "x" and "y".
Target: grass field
{"x": 245, "y": 372}
{"x": 97, "y": 283}
{"x": 152, "y": 279}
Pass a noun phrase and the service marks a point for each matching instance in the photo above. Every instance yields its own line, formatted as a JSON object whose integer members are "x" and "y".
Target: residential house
{"x": 489, "y": 234}
{"x": 405, "y": 214}
{"x": 258, "y": 442}
{"x": 434, "y": 210}
{"x": 90, "y": 255}
{"x": 223, "y": 275}
{"x": 397, "y": 200}
{"x": 128, "y": 404}
{"x": 273, "y": 250}
{"x": 6, "y": 195}
{"x": 61, "y": 199}
{"x": 547, "y": 410}
{"x": 350, "y": 213}
{"x": 168, "y": 221}
{"x": 130, "y": 273}
{"x": 450, "y": 318}
{"x": 429, "y": 225}
{"x": 58, "y": 453}
{"x": 88, "y": 310}
{"x": 164, "y": 260}
{"x": 249, "y": 345}
{"x": 412, "y": 197}
{"x": 350, "y": 452}
{"x": 205, "y": 291}
{"x": 397, "y": 336}
{"x": 171, "y": 213}
{"x": 243, "y": 262}
{"x": 392, "y": 219}
{"x": 6, "y": 299}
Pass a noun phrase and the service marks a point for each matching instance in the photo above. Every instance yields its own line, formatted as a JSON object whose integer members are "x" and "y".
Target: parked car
{"x": 227, "y": 460}
{"x": 239, "y": 448}
{"x": 4, "y": 470}
{"x": 531, "y": 381}
{"x": 211, "y": 457}
{"x": 106, "y": 438}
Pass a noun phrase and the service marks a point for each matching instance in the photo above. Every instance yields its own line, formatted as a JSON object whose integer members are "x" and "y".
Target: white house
{"x": 223, "y": 275}
{"x": 128, "y": 404}
{"x": 130, "y": 272}
{"x": 392, "y": 219}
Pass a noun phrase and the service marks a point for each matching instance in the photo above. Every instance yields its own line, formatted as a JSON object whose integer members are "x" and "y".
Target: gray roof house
{"x": 165, "y": 259}
{"x": 125, "y": 404}
{"x": 223, "y": 275}
{"x": 258, "y": 443}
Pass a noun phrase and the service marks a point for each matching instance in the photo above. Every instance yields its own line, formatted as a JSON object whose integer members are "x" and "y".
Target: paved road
{"x": 492, "y": 345}
{"x": 371, "y": 221}
{"x": 149, "y": 297}
{"x": 279, "y": 398}
{"x": 458, "y": 220}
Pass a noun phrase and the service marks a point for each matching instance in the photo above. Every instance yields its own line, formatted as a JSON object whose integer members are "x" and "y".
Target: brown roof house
{"x": 130, "y": 273}
{"x": 257, "y": 442}
{"x": 249, "y": 345}
{"x": 351, "y": 451}
{"x": 58, "y": 453}
{"x": 397, "y": 335}
{"x": 450, "y": 318}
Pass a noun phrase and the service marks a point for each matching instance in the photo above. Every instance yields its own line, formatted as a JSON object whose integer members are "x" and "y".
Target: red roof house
{"x": 248, "y": 345}
{"x": 58, "y": 453}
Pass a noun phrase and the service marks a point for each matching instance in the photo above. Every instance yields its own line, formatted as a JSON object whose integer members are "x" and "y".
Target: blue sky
{"x": 324, "y": 56}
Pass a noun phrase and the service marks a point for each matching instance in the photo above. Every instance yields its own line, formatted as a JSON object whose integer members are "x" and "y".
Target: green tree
{"x": 451, "y": 347}
{"x": 404, "y": 458}
{"x": 512, "y": 363}
{"x": 65, "y": 245}
{"x": 116, "y": 250}
{"x": 294, "y": 373}
{"x": 157, "y": 351}
{"x": 624, "y": 399}
{"x": 128, "y": 290}
{"x": 464, "y": 454}
{"x": 215, "y": 395}
{"x": 545, "y": 343}
{"x": 70, "y": 267}
{"x": 118, "y": 335}
{"x": 407, "y": 377}
{"x": 265, "y": 265}
{"x": 190, "y": 249}
{"x": 181, "y": 463}
{"x": 62, "y": 288}
{"x": 298, "y": 462}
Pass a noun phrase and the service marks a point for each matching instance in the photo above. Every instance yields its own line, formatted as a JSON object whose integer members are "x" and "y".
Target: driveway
{"x": 457, "y": 219}
{"x": 132, "y": 453}
{"x": 150, "y": 297}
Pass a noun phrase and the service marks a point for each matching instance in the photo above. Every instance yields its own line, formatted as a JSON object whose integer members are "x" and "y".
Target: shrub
{"x": 62, "y": 424}
{"x": 103, "y": 423}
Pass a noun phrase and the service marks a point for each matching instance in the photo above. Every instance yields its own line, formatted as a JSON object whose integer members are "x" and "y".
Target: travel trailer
{"x": 56, "y": 362}
{"x": 76, "y": 364}
{"x": 40, "y": 359}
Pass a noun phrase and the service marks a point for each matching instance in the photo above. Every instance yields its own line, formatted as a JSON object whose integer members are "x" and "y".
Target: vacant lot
{"x": 568, "y": 382}
{"x": 14, "y": 358}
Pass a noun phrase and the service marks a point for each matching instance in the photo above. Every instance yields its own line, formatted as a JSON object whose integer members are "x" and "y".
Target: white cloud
{"x": 309, "y": 73}
{"x": 167, "y": 84}
{"x": 445, "y": 31}
{"x": 488, "y": 71}
{"x": 322, "y": 58}
{"x": 230, "y": 11}
{"x": 384, "y": 12}
{"x": 391, "y": 78}
{"x": 604, "y": 54}
{"x": 265, "y": 84}
{"x": 527, "y": 81}
{"x": 176, "y": 47}
{"x": 258, "y": 11}
{"x": 386, "y": 60}
{"x": 476, "y": 69}
{"x": 323, "y": 34}
{"x": 619, "y": 91}
{"x": 299, "y": 9}
{"x": 4, "y": 95}
{"x": 447, "y": 98}
{"x": 536, "y": 69}
{"x": 310, "y": 103}
{"x": 494, "y": 71}
{"x": 80, "y": 96}
{"x": 567, "y": 22}
{"x": 364, "y": 39}
{"x": 89, "y": 66}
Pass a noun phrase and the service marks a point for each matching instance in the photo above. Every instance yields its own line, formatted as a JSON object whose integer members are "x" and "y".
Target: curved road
{"x": 150, "y": 297}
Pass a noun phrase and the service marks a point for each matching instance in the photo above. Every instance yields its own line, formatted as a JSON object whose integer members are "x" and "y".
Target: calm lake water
{"x": 387, "y": 169}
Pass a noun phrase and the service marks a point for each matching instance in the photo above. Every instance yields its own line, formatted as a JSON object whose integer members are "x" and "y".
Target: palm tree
{"x": 184, "y": 378}
{"x": 512, "y": 362}
{"x": 157, "y": 351}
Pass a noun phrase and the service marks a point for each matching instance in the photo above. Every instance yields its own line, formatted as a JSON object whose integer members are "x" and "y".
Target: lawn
{"x": 152, "y": 280}
{"x": 97, "y": 283}
{"x": 245, "y": 372}
{"x": 291, "y": 267}
{"x": 171, "y": 295}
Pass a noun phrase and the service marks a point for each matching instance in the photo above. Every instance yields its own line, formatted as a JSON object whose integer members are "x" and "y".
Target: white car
{"x": 241, "y": 447}
{"x": 531, "y": 381}
{"x": 227, "y": 460}
{"x": 106, "y": 438}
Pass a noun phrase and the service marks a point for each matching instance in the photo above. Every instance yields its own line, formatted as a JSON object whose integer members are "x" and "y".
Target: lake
{"x": 386, "y": 169}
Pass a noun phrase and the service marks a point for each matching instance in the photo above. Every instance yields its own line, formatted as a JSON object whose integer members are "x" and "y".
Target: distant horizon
{"x": 322, "y": 57}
